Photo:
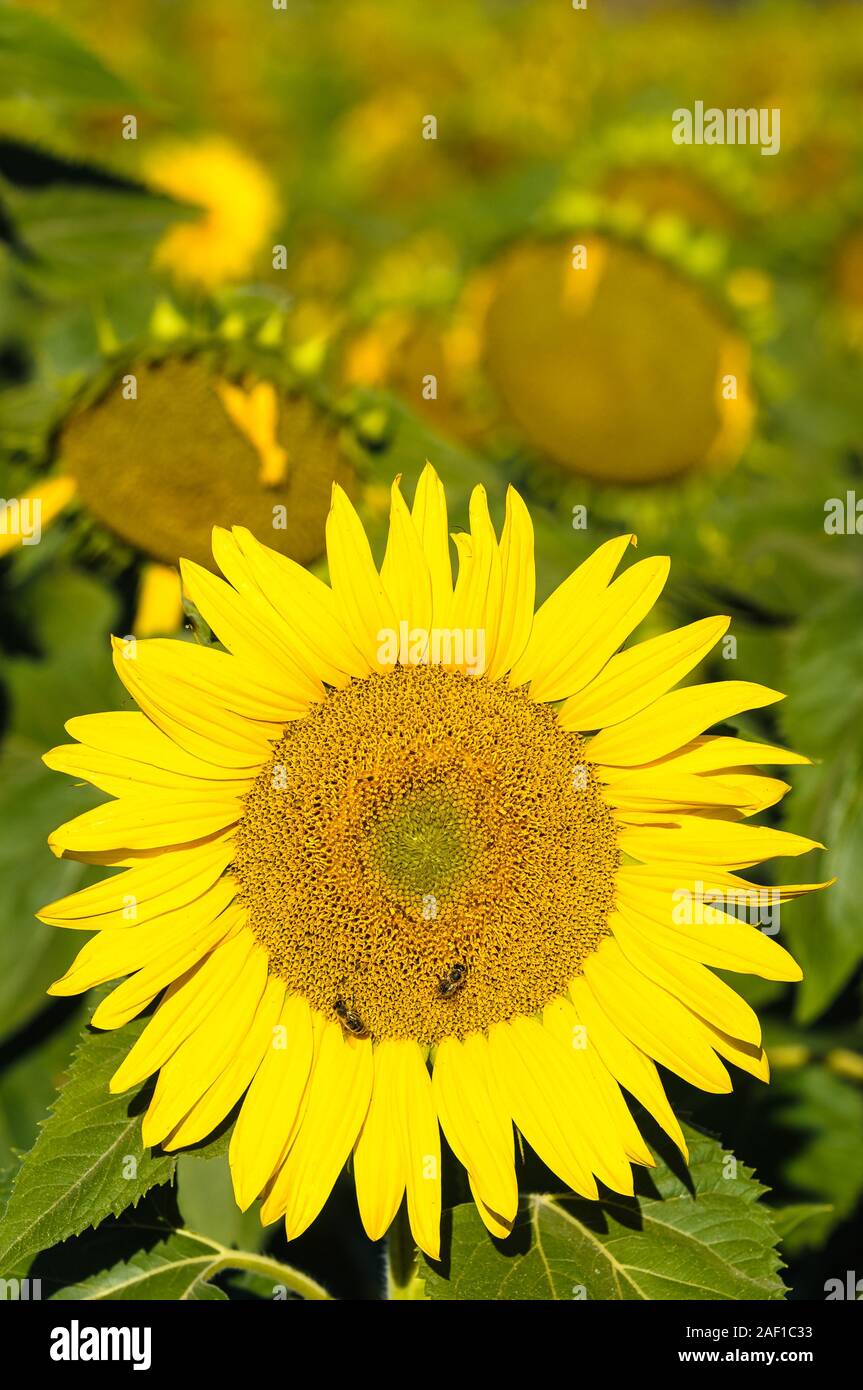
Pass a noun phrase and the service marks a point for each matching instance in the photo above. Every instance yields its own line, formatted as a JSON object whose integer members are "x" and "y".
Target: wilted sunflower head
{"x": 173, "y": 445}
{"x": 388, "y": 882}
{"x": 613, "y": 364}
{"x": 238, "y": 205}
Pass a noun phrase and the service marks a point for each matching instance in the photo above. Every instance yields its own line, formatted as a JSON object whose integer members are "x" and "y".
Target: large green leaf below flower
{"x": 701, "y": 1234}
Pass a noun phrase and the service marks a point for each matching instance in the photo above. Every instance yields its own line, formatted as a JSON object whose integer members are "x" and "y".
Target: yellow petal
{"x": 565, "y": 612}
{"x": 184, "y": 1007}
{"x": 129, "y": 734}
{"x": 748, "y": 1056}
{"x": 494, "y": 1223}
{"x": 308, "y": 607}
{"x": 477, "y": 595}
{"x": 635, "y": 678}
{"x": 208, "y": 1112}
{"x": 160, "y": 602}
{"x": 405, "y": 572}
{"x": 251, "y": 631}
{"x": 113, "y": 953}
{"x": 580, "y": 655}
{"x": 274, "y": 1196}
{"x": 146, "y": 822}
{"x": 653, "y": 1019}
{"x": 518, "y": 587}
{"x": 361, "y": 600}
{"x": 711, "y": 753}
{"x": 197, "y": 1062}
{"x": 45, "y": 500}
{"x": 379, "y": 1156}
{"x": 478, "y": 1130}
{"x": 688, "y": 981}
{"x": 722, "y": 941}
{"x": 674, "y": 719}
{"x": 430, "y": 519}
{"x": 202, "y": 700}
{"x": 158, "y": 885}
{"x": 340, "y": 1089}
{"x": 602, "y": 1138}
{"x": 123, "y": 776}
{"x": 175, "y": 963}
{"x": 255, "y": 412}
{"x": 712, "y": 882}
{"x": 667, "y": 791}
{"x": 613, "y": 1125}
{"x": 704, "y": 840}
{"x": 421, "y": 1138}
{"x": 631, "y": 1067}
{"x": 530, "y": 1067}
{"x": 179, "y": 671}
{"x": 268, "y": 1114}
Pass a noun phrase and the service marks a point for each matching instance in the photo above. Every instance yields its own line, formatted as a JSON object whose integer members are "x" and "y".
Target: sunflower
{"x": 409, "y": 857}
{"x": 252, "y": 450}
{"x": 257, "y": 446}
{"x": 623, "y": 370}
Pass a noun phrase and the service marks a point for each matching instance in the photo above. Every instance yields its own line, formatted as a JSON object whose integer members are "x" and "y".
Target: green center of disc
{"x": 420, "y": 843}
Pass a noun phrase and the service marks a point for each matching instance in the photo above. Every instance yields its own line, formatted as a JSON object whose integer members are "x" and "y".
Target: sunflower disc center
{"x": 430, "y": 850}
{"x": 420, "y": 842}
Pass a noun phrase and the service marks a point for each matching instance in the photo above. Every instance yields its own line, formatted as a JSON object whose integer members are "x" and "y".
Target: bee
{"x": 452, "y": 982}
{"x": 350, "y": 1020}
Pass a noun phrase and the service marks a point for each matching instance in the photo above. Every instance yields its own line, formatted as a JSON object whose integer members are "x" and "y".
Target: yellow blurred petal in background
{"x": 160, "y": 602}
{"x": 239, "y": 206}
{"x": 23, "y": 519}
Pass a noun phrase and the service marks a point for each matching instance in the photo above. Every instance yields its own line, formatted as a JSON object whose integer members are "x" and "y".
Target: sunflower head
{"x": 167, "y": 444}
{"x": 613, "y": 364}
{"x": 407, "y": 855}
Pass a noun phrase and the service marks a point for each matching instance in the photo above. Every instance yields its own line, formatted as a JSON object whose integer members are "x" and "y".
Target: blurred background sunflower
{"x": 247, "y": 253}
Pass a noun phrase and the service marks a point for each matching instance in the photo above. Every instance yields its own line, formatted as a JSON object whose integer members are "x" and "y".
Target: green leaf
{"x": 33, "y": 801}
{"x": 791, "y": 1222}
{"x": 178, "y": 1267}
{"x": 148, "y": 1254}
{"x": 700, "y": 1235}
{"x": 79, "y": 237}
{"x": 825, "y": 932}
{"x": 28, "y": 1083}
{"x": 70, "y": 616}
{"x": 40, "y": 61}
{"x": 88, "y": 1162}
{"x": 822, "y": 1116}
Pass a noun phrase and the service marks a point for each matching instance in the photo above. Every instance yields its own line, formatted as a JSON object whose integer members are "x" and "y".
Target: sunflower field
{"x": 431, "y": 661}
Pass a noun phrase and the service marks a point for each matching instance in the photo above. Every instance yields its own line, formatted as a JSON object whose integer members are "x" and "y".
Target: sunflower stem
{"x": 403, "y": 1280}
{"x": 293, "y": 1279}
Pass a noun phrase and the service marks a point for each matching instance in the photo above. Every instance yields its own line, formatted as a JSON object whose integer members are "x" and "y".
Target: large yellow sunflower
{"x": 387, "y": 884}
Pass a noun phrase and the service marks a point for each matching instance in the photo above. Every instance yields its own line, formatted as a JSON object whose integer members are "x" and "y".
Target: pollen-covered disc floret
{"x": 417, "y": 821}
